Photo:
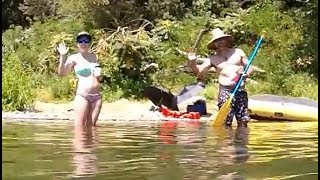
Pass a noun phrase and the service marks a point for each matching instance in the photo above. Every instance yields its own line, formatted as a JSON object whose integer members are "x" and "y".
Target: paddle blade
{"x": 223, "y": 113}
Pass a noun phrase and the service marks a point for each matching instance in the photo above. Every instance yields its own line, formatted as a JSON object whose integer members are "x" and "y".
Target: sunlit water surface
{"x": 159, "y": 151}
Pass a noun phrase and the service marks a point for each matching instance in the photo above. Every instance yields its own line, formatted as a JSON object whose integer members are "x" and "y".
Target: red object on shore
{"x": 176, "y": 114}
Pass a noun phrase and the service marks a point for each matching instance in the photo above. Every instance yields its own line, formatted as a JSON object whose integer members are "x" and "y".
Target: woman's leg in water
{"x": 81, "y": 111}
{"x": 84, "y": 159}
{"x": 95, "y": 107}
{"x": 95, "y": 111}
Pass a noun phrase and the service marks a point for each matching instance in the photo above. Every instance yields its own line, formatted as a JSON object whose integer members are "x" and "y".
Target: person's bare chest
{"x": 231, "y": 58}
{"x": 84, "y": 65}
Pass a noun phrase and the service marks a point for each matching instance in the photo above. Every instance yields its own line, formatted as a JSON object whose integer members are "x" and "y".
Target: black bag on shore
{"x": 161, "y": 96}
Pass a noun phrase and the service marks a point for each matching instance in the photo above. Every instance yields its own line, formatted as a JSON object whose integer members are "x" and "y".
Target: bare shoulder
{"x": 93, "y": 57}
{"x": 215, "y": 57}
{"x": 72, "y": 58}
{"x": 240, "y": 51}
{"x": 216, "y": 60}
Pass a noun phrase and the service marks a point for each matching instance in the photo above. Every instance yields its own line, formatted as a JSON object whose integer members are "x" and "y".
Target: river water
{"x": 159, "y": 151}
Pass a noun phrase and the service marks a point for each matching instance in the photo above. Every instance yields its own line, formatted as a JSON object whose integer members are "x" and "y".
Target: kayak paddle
{"x": 224, "y": 110}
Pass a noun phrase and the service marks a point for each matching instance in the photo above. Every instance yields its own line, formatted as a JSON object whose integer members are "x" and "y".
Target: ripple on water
{"x": 170, "y": 150}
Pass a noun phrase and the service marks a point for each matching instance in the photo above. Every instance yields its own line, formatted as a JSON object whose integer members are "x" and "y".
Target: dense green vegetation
{"x": 129, "y": 34}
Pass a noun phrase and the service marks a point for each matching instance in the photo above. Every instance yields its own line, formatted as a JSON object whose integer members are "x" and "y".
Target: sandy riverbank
{"x": 121, "y": 110}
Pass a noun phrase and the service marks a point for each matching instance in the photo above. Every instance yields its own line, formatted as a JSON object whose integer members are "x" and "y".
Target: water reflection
{"x": 170, "y": 150}
{"x": 84, "y": 146}
{"x": 181, "y": 150}
{"x": 207, "y": 151}
{"x": 166, "y": 132}
{"x": 233, "y": 148}
{"x": 173, "y": 132}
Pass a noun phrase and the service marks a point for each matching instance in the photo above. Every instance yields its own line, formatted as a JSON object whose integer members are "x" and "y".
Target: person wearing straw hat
{"x": 229, "y": 63}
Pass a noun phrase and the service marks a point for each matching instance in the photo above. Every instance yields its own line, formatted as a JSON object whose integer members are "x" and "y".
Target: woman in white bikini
{"x": 87, "y": 102}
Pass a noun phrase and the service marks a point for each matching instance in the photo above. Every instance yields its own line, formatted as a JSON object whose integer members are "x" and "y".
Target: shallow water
{"x": 165, "y": 151}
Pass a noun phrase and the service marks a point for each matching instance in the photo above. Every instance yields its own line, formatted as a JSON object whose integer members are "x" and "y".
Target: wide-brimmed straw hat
{"x": 217, "y": 34}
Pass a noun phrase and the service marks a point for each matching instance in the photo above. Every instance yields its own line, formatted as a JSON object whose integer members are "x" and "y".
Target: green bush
{"x": 129, "y": 36}
{"x": 59, "y": 88}
{"x": 17, "y": 85}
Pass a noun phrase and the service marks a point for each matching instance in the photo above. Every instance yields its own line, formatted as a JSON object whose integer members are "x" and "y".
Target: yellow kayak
{"x": 273, "y": 107}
